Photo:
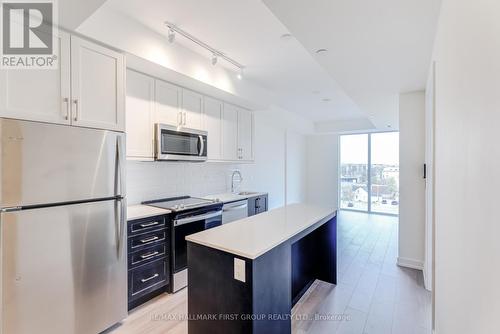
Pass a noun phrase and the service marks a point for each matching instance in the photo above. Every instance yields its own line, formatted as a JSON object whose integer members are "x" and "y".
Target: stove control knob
{"x": 182, "y": 206}
{"x": 176, "y": 207}
{"x": 217, "y": 200}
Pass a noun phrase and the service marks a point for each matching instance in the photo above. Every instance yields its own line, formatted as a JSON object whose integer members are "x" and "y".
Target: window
{"x": 369, "y": 172}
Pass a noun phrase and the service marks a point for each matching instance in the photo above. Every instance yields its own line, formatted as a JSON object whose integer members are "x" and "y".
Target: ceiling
{"x": 376, "y": 48}
{"x": 248, "y": 31}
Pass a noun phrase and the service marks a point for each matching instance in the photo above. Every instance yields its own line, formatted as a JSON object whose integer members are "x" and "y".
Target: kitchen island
{"x": 245, "y": 277}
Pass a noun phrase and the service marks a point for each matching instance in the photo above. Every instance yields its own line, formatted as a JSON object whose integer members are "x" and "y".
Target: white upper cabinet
{"x": 192, "y": 108}
{"x": 245, "y": 135}
{"x": 229, "y": 132}
{"x": 149, "y": 101}
{"x": 140, "y": 106}
{"x": 213, "y": 125}
{"x": 168, "y": 104}
{"x": 88, "y": 88}
{"x": 38, "y": 95}
{"x": 97, "y": 86}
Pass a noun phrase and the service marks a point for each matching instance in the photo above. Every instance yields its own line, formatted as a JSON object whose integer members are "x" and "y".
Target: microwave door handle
{"x": 202, "y": 145}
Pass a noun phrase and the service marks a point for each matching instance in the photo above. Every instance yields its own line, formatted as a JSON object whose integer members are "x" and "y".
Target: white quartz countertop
{"x": 230, "y": 197}
{"x": 144, "y": 211}
{"x": 253, "y": 236}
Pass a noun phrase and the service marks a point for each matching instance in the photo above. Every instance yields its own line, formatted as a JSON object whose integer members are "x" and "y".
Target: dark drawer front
{"x": 145, "y": 225}
{"x": 147, "y": 278}
{"x": 146, "y": 255}
{"x": 144, "y": 240}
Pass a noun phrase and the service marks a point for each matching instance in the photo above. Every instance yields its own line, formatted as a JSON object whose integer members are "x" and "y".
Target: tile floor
{"x": 373, "y": 294}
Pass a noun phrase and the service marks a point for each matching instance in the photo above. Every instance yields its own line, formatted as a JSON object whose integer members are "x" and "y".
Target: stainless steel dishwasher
{"x": 234, "y": 211}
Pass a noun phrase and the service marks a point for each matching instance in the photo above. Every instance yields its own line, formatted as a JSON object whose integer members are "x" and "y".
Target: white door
{"x": 38, "y": 95}
{"x": 192, "y": 107}
{"x": 213, "y": 125}
{"x": 245, "y": 134}
{"x": 140, "y": 105}
{"x": 229, "y": 132}
{"x": 167, "y": 98}
{"x": 97, "y": 86}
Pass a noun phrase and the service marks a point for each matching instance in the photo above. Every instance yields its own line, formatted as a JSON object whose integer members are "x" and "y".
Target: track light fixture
{"x": 216, "y": 54}
{"x": 171, "y": 35}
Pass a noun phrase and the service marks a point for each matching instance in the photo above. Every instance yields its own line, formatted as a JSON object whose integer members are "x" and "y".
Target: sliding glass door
{"x": 354, "y": 172}
{"x": 369, "y": 172}
{"x": 384, "y": 171}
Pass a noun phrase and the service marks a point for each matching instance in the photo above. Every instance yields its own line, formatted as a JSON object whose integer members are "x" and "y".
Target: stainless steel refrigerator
{"x": 62, "y": 229}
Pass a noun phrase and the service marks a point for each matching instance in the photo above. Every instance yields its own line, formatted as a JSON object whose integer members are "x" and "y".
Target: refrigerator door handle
{"x": 119, "y": 168}
{"x": 120, "y": 225}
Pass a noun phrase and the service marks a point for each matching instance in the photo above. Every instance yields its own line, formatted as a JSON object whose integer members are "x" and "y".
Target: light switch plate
{"x": 239, "y": 270}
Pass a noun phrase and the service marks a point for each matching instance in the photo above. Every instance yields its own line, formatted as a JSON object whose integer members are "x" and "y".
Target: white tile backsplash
{"x": 153, "y": 180}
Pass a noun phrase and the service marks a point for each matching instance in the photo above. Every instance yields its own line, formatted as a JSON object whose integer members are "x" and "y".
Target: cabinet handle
{"x": 185, "y": 117}
{"x": 144, "y": 241}
{"x": 66, "y": 101}
{"x": 149, "y": 224}
{"x": 147, "y": 256}
{"x": 144, "y": 280}
{"x": 179, "y": 118}
{"x": 75, "y": 101}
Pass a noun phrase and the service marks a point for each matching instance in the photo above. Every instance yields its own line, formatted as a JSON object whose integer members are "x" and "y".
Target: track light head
{"x": 171, "y": 35}
{"x": 214, "y": 59}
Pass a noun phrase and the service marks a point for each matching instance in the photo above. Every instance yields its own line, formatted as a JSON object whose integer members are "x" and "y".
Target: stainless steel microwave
{"x": 180, "y": 144}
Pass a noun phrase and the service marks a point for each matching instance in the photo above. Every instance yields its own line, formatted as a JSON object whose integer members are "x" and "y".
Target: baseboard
{"x": 410, "y": 263}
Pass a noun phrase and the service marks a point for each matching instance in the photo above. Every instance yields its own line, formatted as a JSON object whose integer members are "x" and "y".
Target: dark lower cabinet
{"x": 257, "y": 205}
{"x": 148, "y": 259}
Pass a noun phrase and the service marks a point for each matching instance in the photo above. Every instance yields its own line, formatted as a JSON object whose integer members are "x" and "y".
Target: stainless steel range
{"x": 190, "y": 215}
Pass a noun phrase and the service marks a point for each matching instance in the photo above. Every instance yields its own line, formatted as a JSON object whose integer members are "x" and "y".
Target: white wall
{"x": 411, "y": 181}
{"x": 322, "y": 169}
{"x": 429, "y": 181}
{"x": 467, "y": 163}
{"x": 296, "y": 167}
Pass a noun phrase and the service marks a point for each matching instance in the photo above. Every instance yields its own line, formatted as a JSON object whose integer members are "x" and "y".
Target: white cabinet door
{"x": 140, "y": 105}
{"x": 213, "y": 125}
{"x": 38, "y": 95}
{"x": 230, "y": 132}
{"x": 245, "y": 135}
{"x": 192, "y": 107}
{"x": 97, "y": 86}
{"x": 167, "y": 98}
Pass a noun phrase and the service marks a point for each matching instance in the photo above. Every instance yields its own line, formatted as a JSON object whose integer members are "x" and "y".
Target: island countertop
{"x": 253, "y": 236}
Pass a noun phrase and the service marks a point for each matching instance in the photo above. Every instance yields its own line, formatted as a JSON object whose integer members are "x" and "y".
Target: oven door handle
{"x": 188, "y": 220}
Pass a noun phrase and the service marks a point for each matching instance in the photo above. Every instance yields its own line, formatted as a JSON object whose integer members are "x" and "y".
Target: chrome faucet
{"x": 232, "y": 179}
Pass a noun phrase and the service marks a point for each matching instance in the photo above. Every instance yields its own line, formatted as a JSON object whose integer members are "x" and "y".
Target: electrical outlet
{"x": 239, "y": 270}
